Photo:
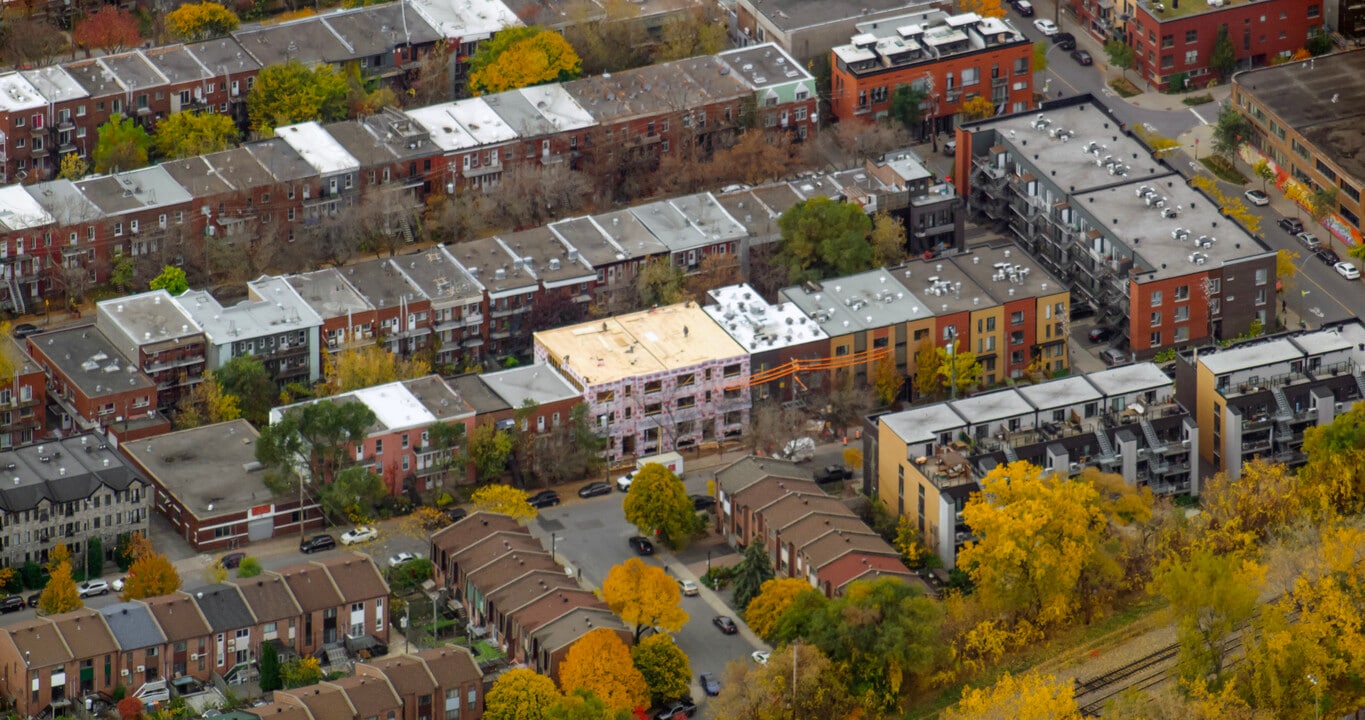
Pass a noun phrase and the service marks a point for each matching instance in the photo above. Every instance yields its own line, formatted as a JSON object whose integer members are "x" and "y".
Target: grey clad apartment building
{"x": 67, "y": 491}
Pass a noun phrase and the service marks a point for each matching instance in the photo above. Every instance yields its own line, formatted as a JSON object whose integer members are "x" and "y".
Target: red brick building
{"x": 949, "y": 58}
{"x": 1175, "y": 40}
{"x": 23, "y": 398}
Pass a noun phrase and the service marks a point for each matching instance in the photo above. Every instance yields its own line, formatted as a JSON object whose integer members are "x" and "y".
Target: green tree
{"x": 822, "y": 237}
{"x": 1322, "y": 202}
{"x": 122, "y": 145}
{"x": 1121, "y": 55}
{"x": 753, "y": 570}
{"x": 124, "y": 268}
{"x": 300, "y": 672}
{"x": 249, "y": 567}
{"x": 186, "y": 134}
{"x": 905, "y": 106}
{"x": 352, "y": 495}
{"x": 1224, "y": 56}
{"x": 519, "y": 57}
{"x": 61, "y": 594}
{"x": 409, "y": 576}
{"x": 312, "y": 439}
{"x": 658, "y": 504}
{"x": 489, "y": 450}
{"x": 1318, "y": 44}
{"x": 172, "y": 279}
{"x": 766, "y": 692}
{"x": 270, "y": 668}
{"x": 292, "y": 93}
{"x": 582, "y": 704}
{"x": 660, "y": 282}
{"x": 94, "y": 558}
{"x": 520, "y": 694}
{"x": 201, "y": 21}
{"x": 245, "y": 378}
{"x": 665, "y": 667}
{"x": 888, "y": 240}
{"x": 1230, "y": 131}
{"x": 447, "y": 440}
{"x": 1210, "y": 594}
{"x": 958, "y": 369}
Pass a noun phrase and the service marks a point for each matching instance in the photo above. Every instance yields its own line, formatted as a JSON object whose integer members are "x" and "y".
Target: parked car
{"x": 1308, "y": 240}
{"x": 709, "y": 684}
{"x": 1113, "y": 356}
{"x": 92, "y": 588}
{"x": 1082, "y": 57}
{"x": 317, "y": 543}
{"x": 33, "y": 599}
{"x": 23, "y": 330}
{"x": 1257, "y": 198}
{"x": 594, "y": 489}
{"x": 1065, "y": 41}
{"x": 623, "y": 482}
{"x": 702, "y": 502}
{"x": 726, "y": 624}
{"x": 13, "y": 603}
{"x": 1347, "y": 270}
{"x": 401, "y": 558}
{"x": 677, "y": 710}
{"x": 117, "y": 584}
{"x": 950, "y": 148}
{"x": 1045, "y": 26}
{"x": 456, "y": 514}
{"x": 688, "y": 588}
{"x": 362, "y": 533}
{"x": 1291, "y": 225}
{"x": 544, "y": 499}
{"x": 230, "y": 561}
{"x": 832, "y": 473}
{"x": 1023, "y": 7}
{"x": 801, "y": 449}
{"x": 1100, "y": 333}
{"x": 641, "y": 546}
{"x": 761, "y": 656}
{"x": 1080, "y": 311}
{"x": 1328, "y": 256}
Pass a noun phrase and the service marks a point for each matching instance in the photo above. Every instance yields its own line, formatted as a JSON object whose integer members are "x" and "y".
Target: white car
{"x": 1257, "y": 198}
{"x": 91, "y": 588}
{"x": 363, "y": 533}
{"x": 1045, "y": 26}
{"x": 401, "y": 558}
{"x": 118, "y": 584}
{"x": 760, "y": 657}
{"x": 623, "y": 482}
{"x": 1347, "y": 270}
{"x": 688, "y": 588}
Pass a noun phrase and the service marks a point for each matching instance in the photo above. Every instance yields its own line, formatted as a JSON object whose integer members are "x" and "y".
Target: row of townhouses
{"x": 217, "y": 630}
{"x": 1222, "y": 408}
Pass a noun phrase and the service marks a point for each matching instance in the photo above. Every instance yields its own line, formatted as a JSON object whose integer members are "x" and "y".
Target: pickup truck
{"x": 832, "y": 473}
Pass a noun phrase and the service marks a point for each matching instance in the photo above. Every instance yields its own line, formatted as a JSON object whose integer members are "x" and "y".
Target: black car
{"x": 832, "y": 473}
{"x": 13, "y": 603}
{"x": 1328, "y": 256}
{"x": 709, "y": 684}
{"x": 1082, "y": 57}
{"x": 232, "y": 560}
{"x": 677, "y": 710}
{"x": 456, "y": 514}
{"x": 544, "y": 499}
{"x": 23, "y": 330}
{"x": 594, "y": 489}
{"x": 33, "y": 599}
{"x": 725, "y": 624}
{"x": 1080, "y": 311}
{"x": 1100, "y": 333}
{"x": 641, "y": 546}
{"x": 1065, "y": 41}
{"x": 1293, "y": 226}
{"x": 316, "y": 543}
{"x": 702, "y": 502}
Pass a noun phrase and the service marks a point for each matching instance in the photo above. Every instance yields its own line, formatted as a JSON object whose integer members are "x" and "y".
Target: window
{"x": 1167, "y": 62}
{"x": 1191, "y": 36}
{"x": 1262, "y": 276}
{"x": 1167, "y": 41}
{"x": 1182, "y": 293}
{"x": 1260, "y": 296}
{"x": 1156, "y": 319}
{"x": 1182, "y": 313}
{"x": 118, "y": 229}
{"x": 1021, "y": 66}
{"x": 1215, "y": 285}
{"x": 1182, "y": 334}
{"x": 653, "y": 409}
{"x": 1314, "y": 11}
{"x": 970, "y": 76}
{"x": 1156, "y": 298}
{"x": 1191, "y": 57}
{"x": 1156, "y": 339}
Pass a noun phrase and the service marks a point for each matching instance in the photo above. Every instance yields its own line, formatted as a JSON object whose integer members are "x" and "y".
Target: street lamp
{"x": 1317, "y": 697}
{"x": 952, "y": 361}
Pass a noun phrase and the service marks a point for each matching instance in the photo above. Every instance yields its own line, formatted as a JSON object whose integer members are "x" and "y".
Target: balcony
{"x": 508, "y": 312}
{"x": 482, "y": 170}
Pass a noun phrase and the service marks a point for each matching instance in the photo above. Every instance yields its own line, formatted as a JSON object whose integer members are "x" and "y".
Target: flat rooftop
{"x": 466, "y": 20}
{"x": 318, "y": 148}
{"x": 148, "y": 317}
{"x": 491, "y": 264}
{"x": 435, "y": 272}
{"x": 537, "y": 383}
{"x": 85, "y": 356}
{"x": 1002, "y": 268}
{"x": 547, "y": 257}
{"x": 209, "y": 469}
{"x": 1063, "y": 392}
{"x": 856, "y": 303}
{"x": 17, "y": 93}
{"x": 757, "y": 325}
{"x": 766, "y": 65}
{"x": 943, "y": 285}
{"x": 20, "y": 211}
{"x": 630, "y": 234}
{"x": 667, "y": 338}
{"x": 1173, "y": 11}
{"x": 1251, "y": 355}
{"x": 991, "y": 406}
{"x": 590, "y": 240}
{"x": 1127, "y": 379}
{"x": 328, "y": 293}
{"x": 796, "y": 14}
{"x": 1324, "y": 101}
{"x": 923, "y": 424}
{"x": 280, "y": 310}
{"x": 1072, "y": 160}
{"x": 1349, "y": 335}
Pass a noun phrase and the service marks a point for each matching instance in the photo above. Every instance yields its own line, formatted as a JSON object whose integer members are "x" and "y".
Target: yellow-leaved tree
{"x": 600, "y": 663}
{"x": 1334, "y": 476}
{"x": 520, "y": 694}
{"x": 978, "y": 108}
{"x": 644, "y": 596}
{"x": 984, "y": 8}
{"x": 774, "y": 597}
{"x": 60, "y": 595}
{"x": 200, "y": 21}
{"x": 1242, "y": 513}
{"x": 1210, "y": 594}
{"x": 520, "y": 57}
{"x": 505, "y": 500}
{"x": 1031, "y": 696}
{"x": 367, "y": 367}
{"x": 665, "y": 667}
{"x": 150, "y": 575}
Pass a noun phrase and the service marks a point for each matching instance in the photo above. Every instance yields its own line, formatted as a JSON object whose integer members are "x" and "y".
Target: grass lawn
{"x": 483, "y": 650}
{"x": 1124, "y": 88}
{"x": 1226, "y": 171}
